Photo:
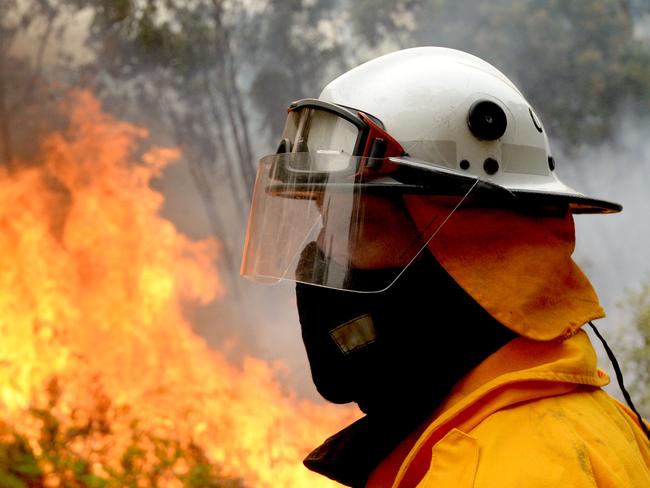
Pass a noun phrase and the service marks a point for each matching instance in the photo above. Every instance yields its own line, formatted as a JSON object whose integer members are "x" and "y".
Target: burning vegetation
{"x": 102, "y": 381}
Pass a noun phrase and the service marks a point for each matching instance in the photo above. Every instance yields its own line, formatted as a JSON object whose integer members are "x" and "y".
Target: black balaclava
{"x": 396, "y": 353}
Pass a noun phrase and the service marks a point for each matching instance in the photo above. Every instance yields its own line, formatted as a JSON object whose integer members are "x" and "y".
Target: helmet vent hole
{"x": 536, "y": 121}
{"x": 551, "y": 163}
{"x": 491, "y": 166}
{"x": 486, "y": 120}
{"x": 464, "y": 164}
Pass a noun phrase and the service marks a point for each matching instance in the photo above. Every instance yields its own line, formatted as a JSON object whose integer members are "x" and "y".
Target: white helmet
{"x": 425, "y": 121}
{"x": 453, "y": 111}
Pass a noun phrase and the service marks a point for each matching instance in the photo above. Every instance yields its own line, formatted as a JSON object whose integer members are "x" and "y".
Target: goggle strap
{"x": 379, "y": 146}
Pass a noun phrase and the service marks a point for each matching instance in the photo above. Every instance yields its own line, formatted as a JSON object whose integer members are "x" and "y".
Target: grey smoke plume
{"x": 613, "y": 249}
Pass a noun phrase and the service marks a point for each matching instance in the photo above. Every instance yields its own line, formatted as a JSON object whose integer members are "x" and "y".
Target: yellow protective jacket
{"x": 531, "y": 415}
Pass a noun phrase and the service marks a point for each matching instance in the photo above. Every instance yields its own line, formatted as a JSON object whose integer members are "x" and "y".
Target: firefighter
{"x": 415, "y": 204}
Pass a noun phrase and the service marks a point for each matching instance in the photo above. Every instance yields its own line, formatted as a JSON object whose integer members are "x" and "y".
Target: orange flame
{"x": 92, "y": 280}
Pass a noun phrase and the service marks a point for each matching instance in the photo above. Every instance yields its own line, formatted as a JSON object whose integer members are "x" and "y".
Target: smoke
{"x": 250, "y": 319}
{"x": 612, "y": 249}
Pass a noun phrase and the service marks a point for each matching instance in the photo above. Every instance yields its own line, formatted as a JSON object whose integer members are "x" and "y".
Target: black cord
{"x": 619, "y": 378}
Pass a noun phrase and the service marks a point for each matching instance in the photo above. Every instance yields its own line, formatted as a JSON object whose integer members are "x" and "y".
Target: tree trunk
{"x": 240, "y": 108}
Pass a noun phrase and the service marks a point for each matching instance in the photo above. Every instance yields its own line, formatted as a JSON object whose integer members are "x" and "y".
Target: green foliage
{"x": 25, "y": 93}
{"x": 377, "y": 20}
{"x": 577, "y": 62}
{"x": 129, "y": 35}
{"x": 290, "y": 57}
{"x": 636, "y": 356}
{"x": 636, "y": 74}
{"x": 19, "y": 466}
{"x": 65, "y": 447}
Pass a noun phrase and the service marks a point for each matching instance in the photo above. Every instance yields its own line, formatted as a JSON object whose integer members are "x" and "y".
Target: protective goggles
{"x": 334, "y": 141}
{"x": 331, "y": 201}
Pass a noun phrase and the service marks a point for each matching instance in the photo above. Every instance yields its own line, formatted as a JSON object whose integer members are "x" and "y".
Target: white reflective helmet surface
{"x": 427, "y": 99}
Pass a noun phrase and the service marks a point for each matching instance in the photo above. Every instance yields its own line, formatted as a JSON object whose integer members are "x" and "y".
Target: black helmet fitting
{"x": 486, "y": 120}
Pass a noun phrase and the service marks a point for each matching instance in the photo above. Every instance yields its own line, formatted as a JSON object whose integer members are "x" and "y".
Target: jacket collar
{"x": 568, "y": 361}
{"x": 520, "y": 371}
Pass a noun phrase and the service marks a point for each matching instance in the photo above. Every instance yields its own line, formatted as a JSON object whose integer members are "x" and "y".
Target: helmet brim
{"x": 554, "y": 195}
{"x": 416, "y": 177}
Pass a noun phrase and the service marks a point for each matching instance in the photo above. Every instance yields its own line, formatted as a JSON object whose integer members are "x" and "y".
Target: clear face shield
{"x": 332, "y": 201}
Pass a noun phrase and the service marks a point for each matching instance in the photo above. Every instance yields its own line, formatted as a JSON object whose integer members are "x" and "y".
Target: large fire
{"x": 92, "y": 281}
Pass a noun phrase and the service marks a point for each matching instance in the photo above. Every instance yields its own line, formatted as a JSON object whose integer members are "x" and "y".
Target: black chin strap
{"x": 619, "y": 378}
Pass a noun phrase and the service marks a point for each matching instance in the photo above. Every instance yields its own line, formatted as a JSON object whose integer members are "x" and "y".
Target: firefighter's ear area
{"x": 487, "y": 120}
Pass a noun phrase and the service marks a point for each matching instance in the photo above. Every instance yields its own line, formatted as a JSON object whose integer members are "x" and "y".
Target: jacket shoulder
{"x": 579, "y": 439}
